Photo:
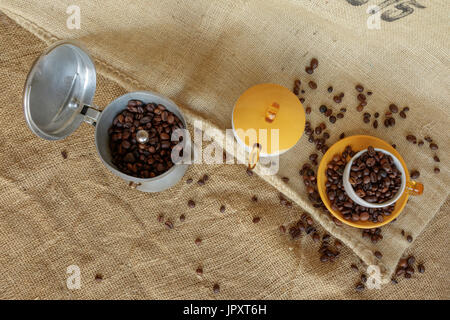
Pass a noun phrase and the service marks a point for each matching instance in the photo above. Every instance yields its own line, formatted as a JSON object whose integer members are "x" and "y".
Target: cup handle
{"x": 253, "y": 157}
{"x": 414, "y": 188}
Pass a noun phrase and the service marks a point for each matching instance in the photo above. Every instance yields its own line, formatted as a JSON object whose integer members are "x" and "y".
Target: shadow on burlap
{"x": 59, "y": 212}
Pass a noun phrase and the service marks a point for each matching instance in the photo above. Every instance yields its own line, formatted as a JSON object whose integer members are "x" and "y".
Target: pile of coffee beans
{"x": 406, "y": 267}
{"x": 339, "y": 199}
{"x": 149, "y": 159}
{"x": 373, "y": 234}
{"x": 374, "y": 176}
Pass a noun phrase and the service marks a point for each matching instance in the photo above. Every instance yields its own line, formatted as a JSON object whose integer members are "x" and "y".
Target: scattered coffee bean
{"x": 64, "y": 154}
{"x": 216, "y": 289}
{"x": 256, "y": 219}
{"x": 393, "y": 108}
{"x": 297, "y": 83}
{"x": 332, "y": 119}
{"x": 421, "y": 268}
{"x": 98, "y": 277}
{"x": 409, "y": 238}
{"x": 361, "y": 97}
{"x": 378, "y": 254}
{"x": 191, "y": 204}
{"x": 282, "y": 229}
{"x": 359, "y": 108}
{"x": 375, "y": 124}
{"x": 433, "y": 146}
{"x": 342, "y": 135}
{"x": 312, "y": 85}
{"x": 415, "y": 174}
{"x": 201, "y": 182}
{"x": 189, "y": 181}
{"x": 328, "y": 113}
{"x": 308, "y": 110}
{"x": 411, "y": 260}
{"x": 359, "y": 287}
{"x": 436, "y": 158}
{"x": 437, "y": 170}
{"x": 354, "y": 267}
{"x": 198, "y": 241}
{"x": 302, "y": 100}
{"x": 330, "y": 89}
{"x": 363, "y": 278}
{"x": 402, "y": 114}
{"x": 314, "y": 63}
{"x": 337, "y": 99}
{"x": 249, "y": 172}
{"x": 376, "y": 115}
{"x": 222, "y": 209}
{"x": 323, "y": 109}
{"x": 411, "y": 138}
{"x": 420, "y": 143}
{"x": 369, "y": 93}
{"x": 169, "y": 224}
{"x": 199, "y": 271}
{"x": 182, "y": 218}
{"x": 428, "y": 139}
{"x": 340, "y": 115}
{"x": 359, "y": 88}
{"x": 373, "y": 234}
{"x": 309, "y": 70}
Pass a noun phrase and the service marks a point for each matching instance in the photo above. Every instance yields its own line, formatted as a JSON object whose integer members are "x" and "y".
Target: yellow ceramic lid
{"x": 269, "y": 106}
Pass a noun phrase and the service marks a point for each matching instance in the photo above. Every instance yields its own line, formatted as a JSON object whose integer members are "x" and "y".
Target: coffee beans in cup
{"x": 374, "y": 176}
{"x": 140, "y": 139}
{"x": 341, "y": 202}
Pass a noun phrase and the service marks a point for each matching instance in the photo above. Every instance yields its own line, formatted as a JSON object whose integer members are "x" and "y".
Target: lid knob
{"x": 142, "y": 136}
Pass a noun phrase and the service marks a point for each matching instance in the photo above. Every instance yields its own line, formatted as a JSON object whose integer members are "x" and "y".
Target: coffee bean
{"x": 330, "y": 89}
{"x": 182, "y": 218}
{"x": 309, "y": 70}
{"x": 409, "y": 238}
{"x": 332, "y": 119}
{"x": 428, "y": 139}
{"x": 337, "y": 99}
{"x": 359, "y": 287}
{"x": 406, "y": 109}
{"x": 420, "y": 143}
{"x": 312, "y": 85}
{"x": 249, "y": 172}
{"x": 328, "y": 113}
{"x": 282, "y": 229}
{"x": 308, "y": 110}
{"x": 437, "y": 170}
{"x": 359, "y": 108}
{"x": 421, "y": 268}
{"x": 191, "y": 204}
{"x": 297, "y": 83}
{"x": 378, "y": 254}
{"x": 216, "y": 289}
{"x": 366, "y": 119}
{"x": 323, "y": 109}
{"x": 302, "y": 99}
{"x": 433, "y": 146}
{"x": 402, "y": 114}
{"x": 189, "y": 181}
{"x": 314, "y": 63}
{"x": 411, "y": 260}
{"x": 285, "y": 179}
{"x": 436, "y": 158}
{"x": 340, "y": 115}
{"x": 198, "y": 241}
{"x": 393, "y": 108}
{"x": 256, "y": 219}
{"x": 222, "y": 209}
{"x": 375, "y": 124}
{"x": 411, "y": 138}
{"x": 199, "y": 271}
{"x": 342, "y": 135}
{"x": 415, "y": 174}
{"x": 64, "y": 154}
{"x": 160, "y": 218}
{"x": 98, "y": 277}
{"x": 254, "y": 199}
{"x": 363, "y": 278}
{"x": 359, "y": 88}
{"x": 376, "y": 115}
{"x": 354, "y": 267}
{"x": 169, "y": 224}
{"x": 361, "y": 97}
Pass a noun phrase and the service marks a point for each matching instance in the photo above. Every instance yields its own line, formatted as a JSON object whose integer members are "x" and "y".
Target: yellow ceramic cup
{"x": 358, "y": 143}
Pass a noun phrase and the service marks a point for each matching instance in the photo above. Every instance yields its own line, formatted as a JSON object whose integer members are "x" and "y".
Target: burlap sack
{"x": 203, "y": 56}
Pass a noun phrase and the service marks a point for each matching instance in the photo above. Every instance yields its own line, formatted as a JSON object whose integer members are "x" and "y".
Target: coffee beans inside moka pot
{"x": 140, "y": 139}
{"x": 133, "y": 134}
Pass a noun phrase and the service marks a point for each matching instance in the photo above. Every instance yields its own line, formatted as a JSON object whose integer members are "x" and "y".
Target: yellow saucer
{"x": 359, "y": 143}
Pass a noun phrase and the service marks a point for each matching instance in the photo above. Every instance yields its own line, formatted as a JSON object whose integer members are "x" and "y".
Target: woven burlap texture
{"x": 219, "y": 54}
